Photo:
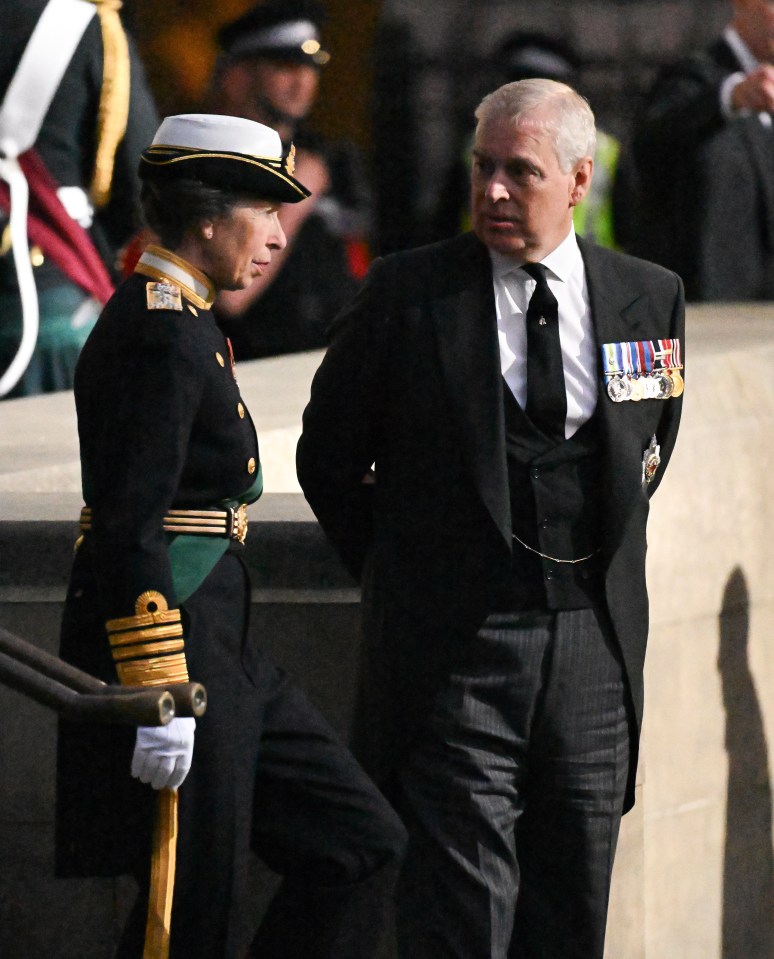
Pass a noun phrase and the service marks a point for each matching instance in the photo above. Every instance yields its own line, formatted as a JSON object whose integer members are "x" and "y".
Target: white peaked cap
{"x": 216, "y": 133}
{"x": 230, "y": 153}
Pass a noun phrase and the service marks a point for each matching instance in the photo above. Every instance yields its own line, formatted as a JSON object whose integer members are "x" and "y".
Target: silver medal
{"x": 666, "y": 386}
{"x": 619, "y": 389}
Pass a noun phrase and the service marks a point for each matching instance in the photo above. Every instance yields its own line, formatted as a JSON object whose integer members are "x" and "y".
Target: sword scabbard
{"x": 162, "y": 879}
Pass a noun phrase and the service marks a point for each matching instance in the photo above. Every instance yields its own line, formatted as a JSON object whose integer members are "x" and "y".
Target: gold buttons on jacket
{"x": 251, "y": 465}
{"x": 241, "y": 411}
{"x": 220, "y": 359}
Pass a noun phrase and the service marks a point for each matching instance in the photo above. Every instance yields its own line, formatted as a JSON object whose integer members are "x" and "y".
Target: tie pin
{"x": 542, "y": 321}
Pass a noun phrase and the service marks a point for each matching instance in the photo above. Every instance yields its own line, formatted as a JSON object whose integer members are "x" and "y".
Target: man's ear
{"x": 584, "y": 170}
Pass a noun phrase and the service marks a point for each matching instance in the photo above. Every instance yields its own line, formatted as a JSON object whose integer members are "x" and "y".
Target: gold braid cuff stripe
{"x": 146, "y": 650}
{"x": 153, "y": 672}
{"x": 152, "y": 610}
{"x": 138, "y": 635}
{"x": 161, "y": 618}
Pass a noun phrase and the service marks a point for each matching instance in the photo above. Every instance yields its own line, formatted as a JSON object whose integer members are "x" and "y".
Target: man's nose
{"x": 496, "y": 189}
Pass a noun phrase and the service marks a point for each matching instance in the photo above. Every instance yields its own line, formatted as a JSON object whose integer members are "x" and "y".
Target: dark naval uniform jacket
{"x": 162, "y": 429}
{"x": 411, "y": 384}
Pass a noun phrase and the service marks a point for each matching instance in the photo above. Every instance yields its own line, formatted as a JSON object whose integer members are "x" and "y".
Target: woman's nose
{"x": 278, "y": 239}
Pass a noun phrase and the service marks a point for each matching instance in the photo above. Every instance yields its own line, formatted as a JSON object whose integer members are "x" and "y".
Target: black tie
{"x": 546, "y": 396}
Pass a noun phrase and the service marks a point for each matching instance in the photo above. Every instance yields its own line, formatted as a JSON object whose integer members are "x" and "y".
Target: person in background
{"x": 269, "y": 71}
{"x": 525, "y": 55}
{"x": 701, "y": 198}
{"x": 82, "y": 177}
{"x": 159, "y": 593}
{"x": 490, "y": 488}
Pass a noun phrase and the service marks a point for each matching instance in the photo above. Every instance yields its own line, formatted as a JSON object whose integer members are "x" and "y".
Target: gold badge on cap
{"x": 163, "y": 295}
{"x": 290, "y": 160}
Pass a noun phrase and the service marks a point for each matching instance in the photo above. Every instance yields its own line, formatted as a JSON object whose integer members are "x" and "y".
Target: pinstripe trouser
{"x": 513, "y": 795}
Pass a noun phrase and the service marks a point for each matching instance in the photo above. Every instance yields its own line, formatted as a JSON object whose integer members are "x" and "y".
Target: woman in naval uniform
{"x": 158, "y": 593}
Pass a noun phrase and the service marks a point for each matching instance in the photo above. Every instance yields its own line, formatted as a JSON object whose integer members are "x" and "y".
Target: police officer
{"x": 269, "y": 70}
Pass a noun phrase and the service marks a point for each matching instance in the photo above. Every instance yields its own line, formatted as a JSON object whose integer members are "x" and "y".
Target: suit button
{"x": 544, "y": 524}
{"x": 241, "y": 411}
{"x": 220, "y": 359}
{"x": 535, "y": 473}
{"x": 251, "y": 465}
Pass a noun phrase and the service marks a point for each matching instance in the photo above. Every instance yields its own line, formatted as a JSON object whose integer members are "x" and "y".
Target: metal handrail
{"x": 79, "y": 696}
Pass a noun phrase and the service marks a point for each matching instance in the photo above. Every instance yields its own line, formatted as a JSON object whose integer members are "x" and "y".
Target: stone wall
{"x": 693, "y": 876}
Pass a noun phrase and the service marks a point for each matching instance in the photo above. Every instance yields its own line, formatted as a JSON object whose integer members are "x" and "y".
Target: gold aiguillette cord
{"x": 162, "y": 878}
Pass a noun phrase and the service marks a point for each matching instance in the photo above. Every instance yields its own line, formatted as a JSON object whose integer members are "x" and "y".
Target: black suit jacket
{"x": 411, "y": 383}
{"x": 706, "y": 184}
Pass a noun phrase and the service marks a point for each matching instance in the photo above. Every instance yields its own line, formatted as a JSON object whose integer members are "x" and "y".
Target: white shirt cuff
{"x": 726, "y": 89}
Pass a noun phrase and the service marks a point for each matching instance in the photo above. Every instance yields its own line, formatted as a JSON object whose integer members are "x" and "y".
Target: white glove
{"x": 162, "y": 754}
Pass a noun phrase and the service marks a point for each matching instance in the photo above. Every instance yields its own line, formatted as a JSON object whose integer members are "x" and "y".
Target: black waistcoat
{"x": 555, "y": 509}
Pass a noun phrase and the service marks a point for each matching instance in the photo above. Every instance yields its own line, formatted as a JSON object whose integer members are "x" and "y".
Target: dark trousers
{"x": 513, "y": 796}
{"x": 271, "y": 778}
{"x": 316, "y": 820}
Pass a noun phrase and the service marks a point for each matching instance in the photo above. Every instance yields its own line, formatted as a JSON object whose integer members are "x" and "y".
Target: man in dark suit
{"x": 704, "y": 163}
{"x": 476, "y": 448}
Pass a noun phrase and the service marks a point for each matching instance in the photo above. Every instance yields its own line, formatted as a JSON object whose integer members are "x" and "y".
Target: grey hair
{"x": 570, "y": 121}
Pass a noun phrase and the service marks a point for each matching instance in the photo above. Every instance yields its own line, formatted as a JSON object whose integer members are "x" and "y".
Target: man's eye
{"x": 523, "y": 172}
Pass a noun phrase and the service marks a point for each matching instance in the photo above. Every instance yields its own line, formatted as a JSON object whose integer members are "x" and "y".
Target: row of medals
{"x": 657, "y": 385}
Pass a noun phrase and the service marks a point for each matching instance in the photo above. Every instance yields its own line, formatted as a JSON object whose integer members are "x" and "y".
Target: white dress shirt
{"x": 566, "y": 278}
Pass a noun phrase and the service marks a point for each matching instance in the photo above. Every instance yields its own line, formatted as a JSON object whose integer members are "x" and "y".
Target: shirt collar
{"x": 562, "y": 262}
{"x": 743, "y": 54}
{"x": 162, "y": 264}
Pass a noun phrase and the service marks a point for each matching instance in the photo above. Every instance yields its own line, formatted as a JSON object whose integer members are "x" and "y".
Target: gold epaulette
{"x": 148, "y": 648}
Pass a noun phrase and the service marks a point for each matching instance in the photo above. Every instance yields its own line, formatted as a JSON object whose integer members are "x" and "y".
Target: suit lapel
{"x": 620, "y": 313}
{"x": 466, "y": 336}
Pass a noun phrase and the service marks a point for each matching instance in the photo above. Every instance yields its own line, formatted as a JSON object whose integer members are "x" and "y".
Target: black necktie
{"x": 546, "y": 396}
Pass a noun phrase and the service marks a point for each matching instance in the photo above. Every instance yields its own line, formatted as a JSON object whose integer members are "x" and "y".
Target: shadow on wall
{"x": 748, "y": 864}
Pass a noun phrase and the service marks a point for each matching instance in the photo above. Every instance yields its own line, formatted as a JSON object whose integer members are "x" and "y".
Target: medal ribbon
{"x": 611, "y": 360}
{"x": 628, "y": 360}
{"x": 669, "y": 350}
{"x": 638, "y": 351}
{"x": 647, "y": 351}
